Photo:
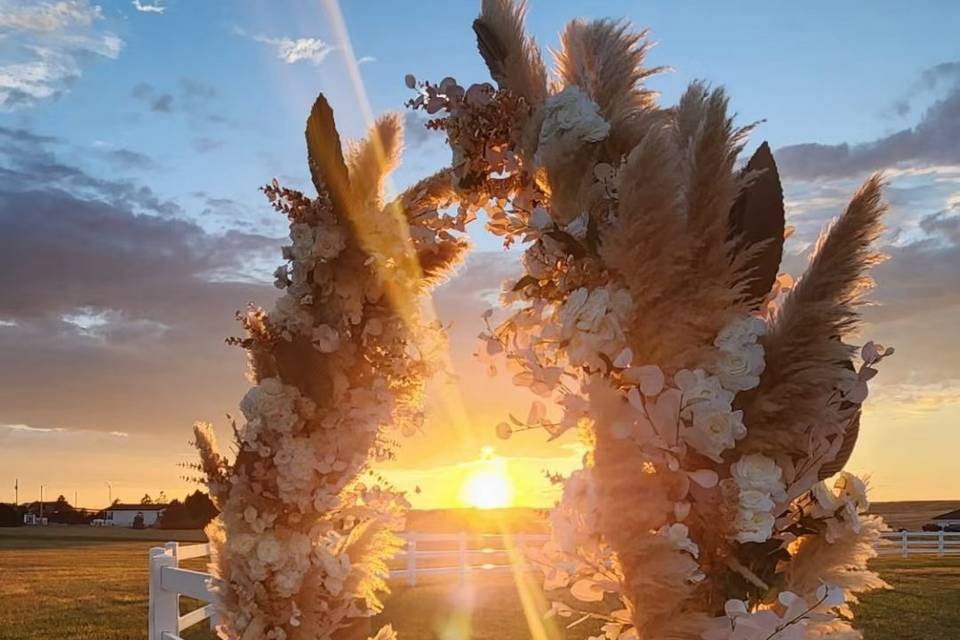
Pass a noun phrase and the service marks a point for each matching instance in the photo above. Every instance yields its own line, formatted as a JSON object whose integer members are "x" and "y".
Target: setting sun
{"x": 488, "y": 489}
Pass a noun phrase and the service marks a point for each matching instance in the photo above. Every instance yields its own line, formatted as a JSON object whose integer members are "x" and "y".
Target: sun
{"x": 487, "y": 489}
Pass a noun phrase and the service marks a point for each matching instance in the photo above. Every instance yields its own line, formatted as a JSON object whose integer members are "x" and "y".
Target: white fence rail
{"x": 426, "y": 554}
{"x": 920, "y": 543}
{"x": 169, "y": 581}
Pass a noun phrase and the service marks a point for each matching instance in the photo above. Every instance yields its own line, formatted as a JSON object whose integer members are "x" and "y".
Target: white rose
{"x": 826, "y": 500}
{"x": 698, "y": 386}
{"x": 756, "y": 471}
{"x": 241, "y": 543}
{"x": 754, "y": 526}
{"x": 715, "y": 429}
{"x": 289, "y": 314}
{"x": 739, "y": 369}
{"x": 740, "y": 332}
{"x": 753, "y": 500}
{"x": 852, "y": 489}
{"x": 329, "y": 243}
{"x": 267, "y": 398}
{"x": 572, "y": 112}
{"x": 268, "y": 550}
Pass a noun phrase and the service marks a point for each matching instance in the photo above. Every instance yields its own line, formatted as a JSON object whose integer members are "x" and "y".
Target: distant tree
{"x": 193, "y": 513}
{"x": 201, "y": 508}
{"x": 162, "y": 498}
{"x": 146, "y": 499}
{"x": 10, "y": 515}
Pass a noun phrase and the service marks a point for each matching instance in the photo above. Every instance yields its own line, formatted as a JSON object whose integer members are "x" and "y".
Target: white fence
{"x": 169, "y": 581}
{"x": 426, "y": 554}
{"x": 920, "y": 543}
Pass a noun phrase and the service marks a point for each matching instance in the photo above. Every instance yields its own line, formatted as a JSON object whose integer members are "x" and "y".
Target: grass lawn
{"x": 77, "y": 583}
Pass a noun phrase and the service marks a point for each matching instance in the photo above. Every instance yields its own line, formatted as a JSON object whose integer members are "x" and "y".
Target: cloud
{"x": 29, "y": 164}
{"x": 157, "y": 101}
{"x": 313, "y": 50}
{"x": 205, "y": 145}
{"x": 128, "y": 159}
{"x": 146, "y": 7}
{"x": 932, "y": 141}
{"x": 366, "y": 60}
{"x": 197, "y": 90}
{"x": 47, "y": 17}
{"x": 118, "y": 306}
{"x": 45, "y": 47}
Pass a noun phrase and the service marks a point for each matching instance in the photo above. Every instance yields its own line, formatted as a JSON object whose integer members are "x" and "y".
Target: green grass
{"x": 76, "y": 583}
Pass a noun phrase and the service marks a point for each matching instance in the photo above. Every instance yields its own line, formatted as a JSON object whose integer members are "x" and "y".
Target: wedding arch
{"x": 716, "y": 396}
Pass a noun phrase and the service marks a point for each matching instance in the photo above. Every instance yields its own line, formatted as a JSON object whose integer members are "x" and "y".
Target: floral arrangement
{"x": 338, "y": 365}
{"x": 716, "y": 397}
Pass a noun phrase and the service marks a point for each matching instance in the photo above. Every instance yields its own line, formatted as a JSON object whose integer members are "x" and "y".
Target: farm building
{"x": 949, "y": 519}
{"x": 123, "y": 515}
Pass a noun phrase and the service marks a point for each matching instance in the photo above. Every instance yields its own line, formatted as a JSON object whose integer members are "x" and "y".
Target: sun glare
{"x": 487, "y": 489}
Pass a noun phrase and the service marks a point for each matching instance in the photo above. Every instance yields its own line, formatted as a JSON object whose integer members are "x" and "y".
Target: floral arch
{"x": 716, "y": 397}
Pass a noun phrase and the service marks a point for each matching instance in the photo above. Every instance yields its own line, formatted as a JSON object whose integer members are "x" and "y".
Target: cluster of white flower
{"x": 571, "y": 117}
{"x": 665, "y": 499}
{"x": 840, "y": 507}
{"x": 299, "y": 537}
{"x": 592, "y": 324}
{"x": 760, "y": 486}
{"x": 740, "y": 360}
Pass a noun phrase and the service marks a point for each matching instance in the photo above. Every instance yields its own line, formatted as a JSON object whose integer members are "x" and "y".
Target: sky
{"x": 134, "y": 137}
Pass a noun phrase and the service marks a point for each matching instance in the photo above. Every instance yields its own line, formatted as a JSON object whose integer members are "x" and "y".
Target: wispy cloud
{"x": 366, "y": 59}
{"x": 146, "y": 7}
{"x": 293, "y": 50}
{"x": 313, "y": 50}
{"x": 46, "y": 46}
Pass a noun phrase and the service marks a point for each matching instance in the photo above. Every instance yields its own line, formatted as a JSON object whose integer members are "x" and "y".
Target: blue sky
{"x": 829, "y": 72}
{"x": 134, "y": 136}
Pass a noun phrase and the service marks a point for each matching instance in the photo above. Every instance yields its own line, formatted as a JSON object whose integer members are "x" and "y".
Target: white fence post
{"x": 164, "y": 614}
{"x": 462, "y": 548}
{"x": 412, "y": 559}
{"x": 940, "y": 543}
{"x": 905, "y": 543}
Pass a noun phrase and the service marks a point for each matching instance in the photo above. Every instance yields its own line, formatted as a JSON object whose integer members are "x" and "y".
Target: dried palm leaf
{"x": 325, "y": 156}
{"x": 757, "y": 218}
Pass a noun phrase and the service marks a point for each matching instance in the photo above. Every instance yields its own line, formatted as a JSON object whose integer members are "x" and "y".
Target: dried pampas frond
{"x": 842, "y": 562}
{"x": 213, "y": 465}
{"x": 605, "y": 60}
{"x": 512, "y": 56}
{"x": 369, "y": 161}
{"x": 438, "y": 261}
{"x": 806, "y": 359}
{"x": 715, "y": 274}
{"x": 647, "y": 243}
